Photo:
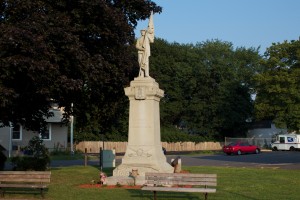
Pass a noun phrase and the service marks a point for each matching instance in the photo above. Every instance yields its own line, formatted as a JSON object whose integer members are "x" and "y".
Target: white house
{"x": 54, "y": 137}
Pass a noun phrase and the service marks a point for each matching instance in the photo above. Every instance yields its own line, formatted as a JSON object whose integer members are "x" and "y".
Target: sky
{"x": 244, "y": 23}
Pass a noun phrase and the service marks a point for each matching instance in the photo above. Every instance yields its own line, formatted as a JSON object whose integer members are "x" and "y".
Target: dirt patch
{"x": 184, "y": 172}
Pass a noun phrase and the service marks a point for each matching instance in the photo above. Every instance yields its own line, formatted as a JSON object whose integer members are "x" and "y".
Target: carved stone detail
{"x": 138, "y": 153}
{"x": 125, "y": 170}
{"x": 140, "y": 93}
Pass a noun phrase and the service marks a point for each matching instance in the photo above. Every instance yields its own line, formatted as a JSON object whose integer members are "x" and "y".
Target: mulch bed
{"x": 184, "y": 172}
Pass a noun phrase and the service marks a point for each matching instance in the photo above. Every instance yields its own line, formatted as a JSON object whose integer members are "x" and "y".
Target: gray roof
{"x": 57, "y": 116}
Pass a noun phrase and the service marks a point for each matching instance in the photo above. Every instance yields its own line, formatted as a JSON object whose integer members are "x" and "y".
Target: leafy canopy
{"x": 67, "y": 52}
{"x": 278, "y": 86}
{"x": 208, "y": 86}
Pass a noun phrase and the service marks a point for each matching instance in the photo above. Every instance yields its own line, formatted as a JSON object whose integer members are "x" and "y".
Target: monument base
{"x": 119, "y": 180}
{"x": 122, "y": 180}
{"x": 141, "y": 169}
{"x": 144, "y": 151}
{"x": 134, "y": 174}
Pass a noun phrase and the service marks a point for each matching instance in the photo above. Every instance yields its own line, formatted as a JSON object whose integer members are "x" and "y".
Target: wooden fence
{"x": 120, "y": 147}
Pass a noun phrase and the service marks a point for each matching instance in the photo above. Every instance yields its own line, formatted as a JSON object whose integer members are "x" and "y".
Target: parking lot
{"x": 268, "y": 159}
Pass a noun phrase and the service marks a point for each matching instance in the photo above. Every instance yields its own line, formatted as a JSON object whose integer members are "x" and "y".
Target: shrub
{"x": 171, "y": 134}
{"x": 36, "y": 157}
{"x": 3, "y": 158}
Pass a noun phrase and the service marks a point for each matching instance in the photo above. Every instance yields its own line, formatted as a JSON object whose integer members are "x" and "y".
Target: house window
{"x": 17, "y": 132}
{"x": 45, "y": 133}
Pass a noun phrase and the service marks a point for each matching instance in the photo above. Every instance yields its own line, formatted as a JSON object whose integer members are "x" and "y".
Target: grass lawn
{"x": 233, "y": 183}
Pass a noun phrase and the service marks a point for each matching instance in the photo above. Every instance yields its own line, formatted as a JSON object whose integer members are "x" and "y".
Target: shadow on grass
{"x": 139, "y": 194}
{"x": 21, "y": 192}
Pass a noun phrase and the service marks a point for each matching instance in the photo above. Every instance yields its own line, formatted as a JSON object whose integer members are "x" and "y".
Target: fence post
{"x": 101, "y": 159}
{"x": 85, "y": 157}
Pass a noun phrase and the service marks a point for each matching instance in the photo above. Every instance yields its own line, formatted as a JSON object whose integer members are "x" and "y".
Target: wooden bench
{"x": 177, "y": 182}
{"x": 24, "y": 179}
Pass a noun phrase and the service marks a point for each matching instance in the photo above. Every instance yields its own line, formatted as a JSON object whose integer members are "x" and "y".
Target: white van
{"x": 286, "y": 142}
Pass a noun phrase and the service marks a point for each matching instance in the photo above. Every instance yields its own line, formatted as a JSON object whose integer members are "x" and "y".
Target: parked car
{"x": 240, "y": 148}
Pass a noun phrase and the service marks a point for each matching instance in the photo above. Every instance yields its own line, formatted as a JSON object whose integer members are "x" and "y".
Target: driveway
{"x": 271, "y": 159}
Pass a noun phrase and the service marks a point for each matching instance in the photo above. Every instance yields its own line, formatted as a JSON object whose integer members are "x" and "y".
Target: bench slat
{"x": 26, "y": 176}
{"x": 29, "y": 180}
{"x": 181, "y": 178}
{"x": 20, "y": 178}
{"x": 180, "y": 183}
{"x": 158, "y": 182}
{"x": 186, "y": 181}
{"x": 149, "y": 174}
{"x": 25, "y": 172}
{"x": 179, "y": 189}
{"x": 24, "y": 179}
{"x": 22, "y": 186}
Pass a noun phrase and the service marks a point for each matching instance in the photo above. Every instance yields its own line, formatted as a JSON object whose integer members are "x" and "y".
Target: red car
{"x": 240, "y": 148}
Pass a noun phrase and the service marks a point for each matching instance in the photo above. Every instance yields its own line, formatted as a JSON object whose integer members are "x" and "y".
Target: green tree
{"x": 66, "y": 51}
{"x": 208, "y": 86}
{"x": 278, "y": 86}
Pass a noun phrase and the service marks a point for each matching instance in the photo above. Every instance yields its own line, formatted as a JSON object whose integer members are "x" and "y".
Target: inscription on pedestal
{"x": 140, "y": 93}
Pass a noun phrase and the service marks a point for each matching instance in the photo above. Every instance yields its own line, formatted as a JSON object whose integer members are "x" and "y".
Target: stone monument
{"x": 144, "y": 150}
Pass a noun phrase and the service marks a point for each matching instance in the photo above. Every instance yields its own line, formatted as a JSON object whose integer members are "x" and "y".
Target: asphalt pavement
{"x": 270, "y": 159}
{"x": 266, "y": 159}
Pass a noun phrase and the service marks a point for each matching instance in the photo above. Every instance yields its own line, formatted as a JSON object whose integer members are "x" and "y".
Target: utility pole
{"x": 71, "y": 134}
{"x": 10, "y": 139}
